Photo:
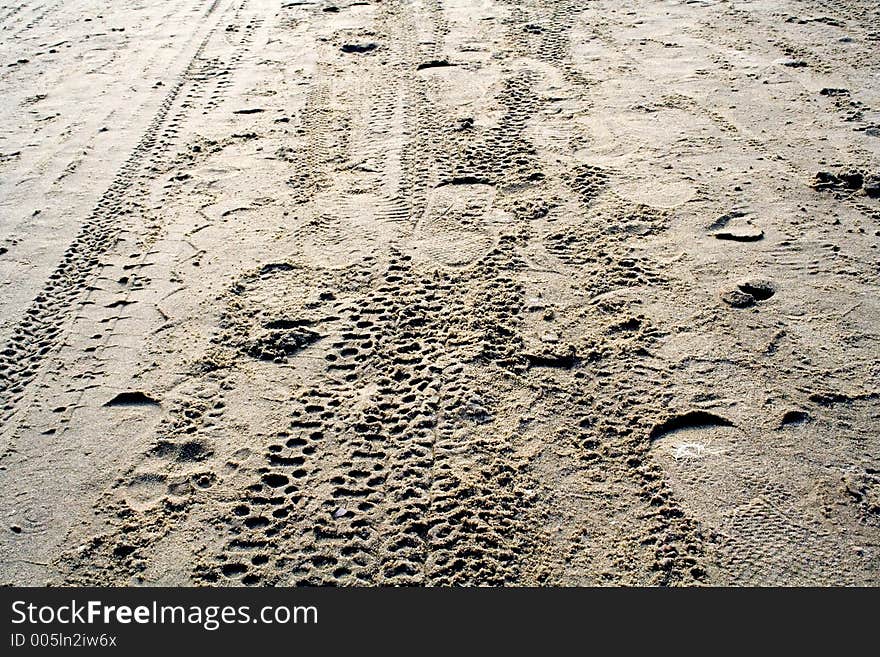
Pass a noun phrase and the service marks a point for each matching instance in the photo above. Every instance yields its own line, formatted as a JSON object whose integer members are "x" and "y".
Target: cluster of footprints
{"x": 398, "y": 454}
{"x": 367, "y": 483}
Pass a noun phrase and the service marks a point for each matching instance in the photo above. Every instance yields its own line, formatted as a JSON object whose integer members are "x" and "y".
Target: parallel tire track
{"x": 37, "y": 333}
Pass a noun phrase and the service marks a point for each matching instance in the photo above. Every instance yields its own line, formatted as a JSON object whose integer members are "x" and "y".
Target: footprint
{"x": 748, "y": 292}
{"x": 455, "y": 227}
{"x": 278, "y": 344}
{"x": 793, "y": 418}
{"x": 752, "y": 497}
{"x": 736, "y": 226}
{"x": 145, "y": 491}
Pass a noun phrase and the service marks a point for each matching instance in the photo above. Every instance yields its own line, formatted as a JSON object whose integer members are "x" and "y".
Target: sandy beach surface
{"x": 441, "y": 292}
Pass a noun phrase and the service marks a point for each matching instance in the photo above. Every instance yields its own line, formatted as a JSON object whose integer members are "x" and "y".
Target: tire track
{"x": 47, "y": 10}
{"x": 15, "y": 15}
{"x": 37, "y": 333}
{"x": 453, "y": 352}
{"x": 11, "y": 14}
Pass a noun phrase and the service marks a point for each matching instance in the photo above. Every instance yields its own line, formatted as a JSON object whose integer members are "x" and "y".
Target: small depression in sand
{"x": 145, "y": 491}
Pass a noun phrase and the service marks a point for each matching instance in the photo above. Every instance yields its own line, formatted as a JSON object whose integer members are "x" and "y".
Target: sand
{"x": 440, "y": 293}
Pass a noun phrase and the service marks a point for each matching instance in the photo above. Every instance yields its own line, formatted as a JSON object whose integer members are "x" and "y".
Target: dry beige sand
{"x": 440, "y": 292}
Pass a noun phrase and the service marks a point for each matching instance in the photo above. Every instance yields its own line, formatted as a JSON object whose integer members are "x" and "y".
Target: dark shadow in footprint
{"x": 748, "y": 293}
{"x": 689, "y": 420}
{"x": 760, "y": 290}
{"x": 741, "y": 235}
{"x": 465, "y": 180}
{"x": 359, "y": 47}
{"x": 794, "y": 417}
{"x": 566, "y": 361}
{"x": 132, "y": 398}
{"x": 434, "y": 63}
{"x": 286, "y": 324}
{"x": 725, "y": 219}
